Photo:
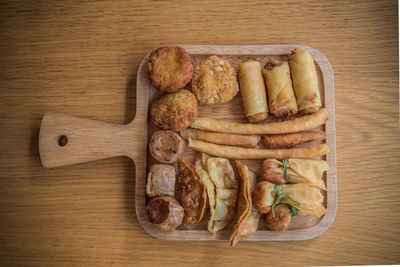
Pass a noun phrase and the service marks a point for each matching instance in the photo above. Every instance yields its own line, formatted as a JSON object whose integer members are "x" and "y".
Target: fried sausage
{"x": 165, "y": 212}
{"x": 166, "y": 146}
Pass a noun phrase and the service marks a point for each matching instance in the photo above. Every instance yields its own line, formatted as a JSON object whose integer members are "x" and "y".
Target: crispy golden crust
{"x": 194, "y": 194}
{"x": 281, "y": 220}
{"x": 165, "y": 212}
{"x": 170, "y": 68}
{"x": 174, "y": 111}
{"x": 214, "y": 81}
{"x": 291, "y": 139}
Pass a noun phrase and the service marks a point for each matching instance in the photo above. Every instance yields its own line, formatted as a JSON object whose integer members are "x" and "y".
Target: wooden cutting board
{"x": 66, "y": 140}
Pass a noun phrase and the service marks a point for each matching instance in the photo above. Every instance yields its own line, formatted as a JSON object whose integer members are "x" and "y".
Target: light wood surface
{"x": 88, "y": 140}
{"x": 80, "y": 58}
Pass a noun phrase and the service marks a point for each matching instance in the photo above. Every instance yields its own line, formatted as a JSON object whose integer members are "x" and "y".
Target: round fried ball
{"x": 214, "y": 81}
{"x": 170, "y": 68}
{"x": 175, "y": 111}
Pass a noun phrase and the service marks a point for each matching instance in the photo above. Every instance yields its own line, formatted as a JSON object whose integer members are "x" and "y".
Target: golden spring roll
{"x": 303, "y": 123}
{"x": 221, "y": 138}
{"x": 305, "y": 81}
{"x": 291, "y": 139}
{"x": 252, "y": 90}
{"x": 234, "y": 152}
{"x": 281, "y": 100}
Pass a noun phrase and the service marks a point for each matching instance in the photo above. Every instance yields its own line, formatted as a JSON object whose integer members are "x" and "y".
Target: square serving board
{"x": 301, "y": 227}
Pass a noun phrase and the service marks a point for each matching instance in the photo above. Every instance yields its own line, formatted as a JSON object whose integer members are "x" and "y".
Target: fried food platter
{"x": 301, "y": 227}
{"x": 89, "y": 140}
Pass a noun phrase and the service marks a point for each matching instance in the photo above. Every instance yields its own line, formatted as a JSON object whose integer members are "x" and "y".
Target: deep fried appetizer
{"x": 165, "y": 212}
{"x": 291, "y": 139}
{"x": 247, "y": 215}
{"x": 193, "y": 192}
{"x": 170, "y": 68}
{"x": 161, "y": 180}
{"x": 280, "y": 219}
{"x": 166, "y": 146}
{"x": 174, "y": 111}
{"x": 214, "y": 81}
{"x": 294, "y": 171}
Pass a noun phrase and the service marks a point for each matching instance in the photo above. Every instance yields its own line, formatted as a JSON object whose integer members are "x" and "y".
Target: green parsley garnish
{"x": 278, "y": 197}
{"x": 285, "y": 173}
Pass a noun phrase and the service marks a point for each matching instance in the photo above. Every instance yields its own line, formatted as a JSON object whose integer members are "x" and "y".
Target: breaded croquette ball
{"x": 170, "y": 68}
{"x": 175, "y": 111}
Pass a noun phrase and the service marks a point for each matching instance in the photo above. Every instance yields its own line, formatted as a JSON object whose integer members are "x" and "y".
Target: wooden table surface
{"x": 81, "y": 57}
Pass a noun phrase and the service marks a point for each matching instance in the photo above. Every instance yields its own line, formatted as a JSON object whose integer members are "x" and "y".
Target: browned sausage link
{"x": 166, "y": 146}
{"x": 290, "y": 140}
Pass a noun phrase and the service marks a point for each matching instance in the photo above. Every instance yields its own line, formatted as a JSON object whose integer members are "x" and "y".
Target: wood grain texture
{"x": 80, "y": 58}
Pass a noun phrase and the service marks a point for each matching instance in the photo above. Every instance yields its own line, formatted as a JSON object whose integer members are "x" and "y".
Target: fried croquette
{"x": 174, "y": 111}
{"x": 214, "y": 81}
{"x": 170, "y": 68}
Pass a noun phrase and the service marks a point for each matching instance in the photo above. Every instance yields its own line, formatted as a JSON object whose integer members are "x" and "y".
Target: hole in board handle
{"x": 62, "y": 140}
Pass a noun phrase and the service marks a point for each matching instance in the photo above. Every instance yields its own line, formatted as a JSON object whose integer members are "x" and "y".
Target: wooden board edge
{"x": 295, "y": 235}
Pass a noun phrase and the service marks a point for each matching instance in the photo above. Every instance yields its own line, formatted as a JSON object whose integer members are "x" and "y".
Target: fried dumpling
{"x": 247, "y": 215}
{"x": 222, "y": 188}
{"x": 309, "y": 198}
{"x": 193, "y": 192}
{"x": 299, "y": 171}
{"x": 226, "y": 188}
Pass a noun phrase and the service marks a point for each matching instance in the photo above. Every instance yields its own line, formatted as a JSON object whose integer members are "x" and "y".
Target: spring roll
{"x": 281, "y": 100}
{"x": 234, "y": 152}
{"x": 305, "y": 81}
{"x": 221, "y": 138}
{"x": 252, "y": 90}
{"x": 300, "y": 124}
{"x": 290, "y": 140}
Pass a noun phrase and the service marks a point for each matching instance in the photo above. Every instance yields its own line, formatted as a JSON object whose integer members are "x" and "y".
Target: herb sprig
{"x": 278, "y": 197}
{"x": 285, "y": 172}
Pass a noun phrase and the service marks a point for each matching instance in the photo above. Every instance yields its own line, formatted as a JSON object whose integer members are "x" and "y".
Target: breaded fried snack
{"x": 174, "y": 111}
{"x": 214, "y": 81}
{"x": 170, "y": 68}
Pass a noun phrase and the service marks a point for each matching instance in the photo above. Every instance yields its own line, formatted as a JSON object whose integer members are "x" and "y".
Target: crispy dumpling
{"x": 310, "y": 198}
{"x": 222, "y": 189}
{"x": 307, "y": 171}
{"x": 194, "y": 195}
{"x": 226, "y": 188}
{"x": 244, "y": 204}
{"x": 250, "y": 223}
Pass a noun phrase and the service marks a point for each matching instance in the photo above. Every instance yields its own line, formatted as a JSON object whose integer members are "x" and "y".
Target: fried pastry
{"x": 161, "y": 180}
{"x": 193, "y": 192}
{"x": 165, "y": 212}
{"x": 309, "y": 200}
{"x": 298, "y": 171}
{"x": 222, "y": 188}
{"x": 247, "y": 215}
{"x": 290, "y": 139}
{"x": 305, "y": 81}
{"x": 214, "y": 81}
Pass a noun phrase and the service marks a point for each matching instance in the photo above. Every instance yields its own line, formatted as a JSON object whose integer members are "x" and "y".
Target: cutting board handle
{"x": 66, "y": 140}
